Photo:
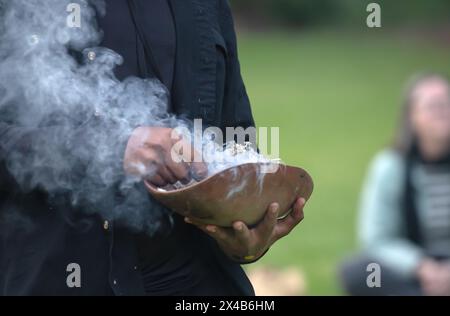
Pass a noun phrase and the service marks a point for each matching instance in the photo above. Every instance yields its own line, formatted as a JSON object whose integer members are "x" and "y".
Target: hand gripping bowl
{"x": 242, "y": 192}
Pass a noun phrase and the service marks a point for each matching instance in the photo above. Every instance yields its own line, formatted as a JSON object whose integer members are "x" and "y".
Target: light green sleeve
{"x": 381, "y": 226}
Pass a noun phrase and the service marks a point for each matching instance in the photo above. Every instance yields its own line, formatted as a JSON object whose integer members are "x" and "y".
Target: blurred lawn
{"x": 335, "y": 98}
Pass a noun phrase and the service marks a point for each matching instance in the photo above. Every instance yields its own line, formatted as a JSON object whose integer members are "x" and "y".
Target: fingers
{"x": 297, "y": 212}
{"x": 149, "y": 148}
{"x": 199, "y": 170}
{"x": 270, "y": 226}
{"x": 187, "y": 153}
{"x": 160, "y": 175}
{"x": 185, "y": 149}
{"x": 287, "y": 224}
{"x": 266, "y": 227}
{"x": 166, "y": 174}
{"x": 157, "y": 180}
{"x": 180, "y": 170}
{"x": 166, "y": 169}
{"x": 185, "y": 166}
{"x": 242, "y": 233}
{"x": 218, "y": 233}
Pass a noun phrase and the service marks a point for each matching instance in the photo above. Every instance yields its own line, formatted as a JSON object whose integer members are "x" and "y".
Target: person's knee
{"x": 353, "y": 274}
{"x": 357, "y": 278}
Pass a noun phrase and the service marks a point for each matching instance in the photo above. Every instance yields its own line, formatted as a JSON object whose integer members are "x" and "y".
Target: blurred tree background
{"x": 333, "y": 86}
{"x": 309, "y": 13}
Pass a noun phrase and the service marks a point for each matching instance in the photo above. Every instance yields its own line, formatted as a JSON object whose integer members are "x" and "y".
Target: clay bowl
{"x": 242, "y": 192}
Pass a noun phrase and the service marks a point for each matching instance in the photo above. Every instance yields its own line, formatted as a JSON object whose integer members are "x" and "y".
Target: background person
{"x": 404, "y": 222}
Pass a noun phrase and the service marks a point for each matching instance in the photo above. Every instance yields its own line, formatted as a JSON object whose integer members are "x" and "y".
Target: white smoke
{"x": 65, "y": 122}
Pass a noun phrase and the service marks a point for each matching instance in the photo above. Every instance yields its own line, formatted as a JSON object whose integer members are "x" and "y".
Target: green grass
{"x": 335, "y": 98}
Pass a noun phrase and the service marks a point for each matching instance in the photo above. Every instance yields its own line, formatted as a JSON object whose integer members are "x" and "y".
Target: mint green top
{"x": 381, "y": 225}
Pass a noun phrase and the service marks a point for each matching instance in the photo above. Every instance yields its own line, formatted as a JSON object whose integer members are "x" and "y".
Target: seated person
{"x": 404, "y": 223}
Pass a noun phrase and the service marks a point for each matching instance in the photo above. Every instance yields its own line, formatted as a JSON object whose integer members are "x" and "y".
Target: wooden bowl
{"x": 242, "y": 193}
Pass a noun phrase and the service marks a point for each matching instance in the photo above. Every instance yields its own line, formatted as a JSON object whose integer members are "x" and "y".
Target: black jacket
{"x": 41, "y": 234}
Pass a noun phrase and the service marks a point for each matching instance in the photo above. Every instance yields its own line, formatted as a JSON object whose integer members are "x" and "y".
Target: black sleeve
{"x": 237, "y": 104}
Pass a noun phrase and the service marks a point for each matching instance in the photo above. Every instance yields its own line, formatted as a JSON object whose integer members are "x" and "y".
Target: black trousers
{"x": 353, "y": 277}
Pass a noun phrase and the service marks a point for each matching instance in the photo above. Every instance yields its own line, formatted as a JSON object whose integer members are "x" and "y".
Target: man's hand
{"x": 148, "y": 155}
{"x": 434, "y": 277}
{"x": 247, "y": 245}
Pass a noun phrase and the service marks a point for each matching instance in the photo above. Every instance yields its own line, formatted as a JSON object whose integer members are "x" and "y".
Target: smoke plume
{"x": 65, "y": 122}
